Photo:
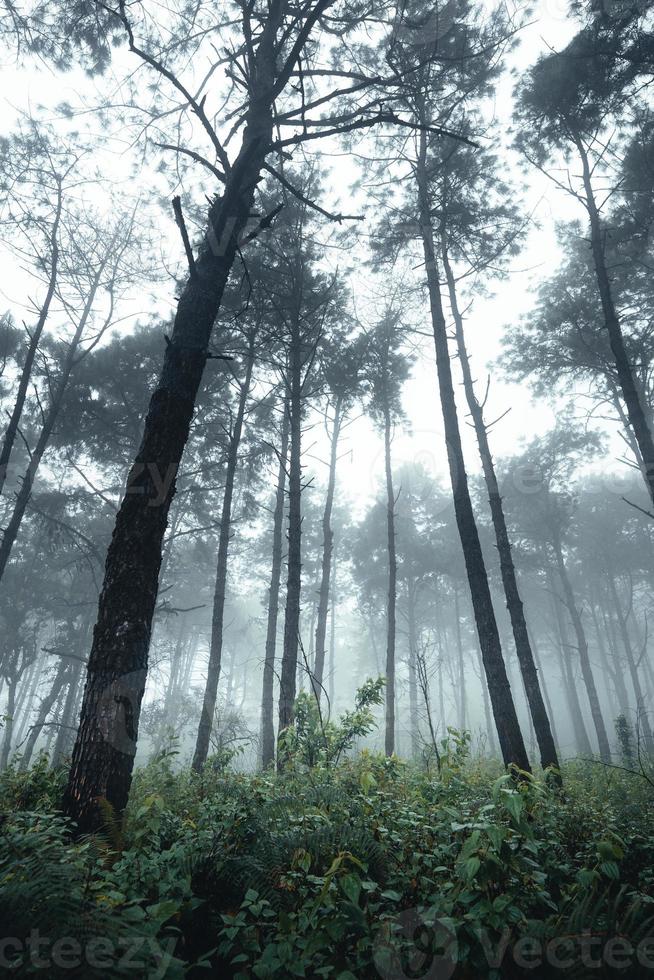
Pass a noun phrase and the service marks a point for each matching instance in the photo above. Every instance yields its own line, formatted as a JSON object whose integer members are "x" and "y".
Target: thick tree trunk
{"x": 24, "y": 494}
{"x": 217, "y": 619}
{"x": 26, "y": 373}
{"x": 45, "y": 708}
{"x": 636, "y": 410}
{"x": 287, "y": 686}
{"x": 533, "y": 694}
{"x": 582, "y": 646}
{"x": 506, "y": 719}
{"x": 389, "y": 737}
{"x": 327, "y": 549}
{"x": 267, "y": 694}
{"x": 641, "y": 713}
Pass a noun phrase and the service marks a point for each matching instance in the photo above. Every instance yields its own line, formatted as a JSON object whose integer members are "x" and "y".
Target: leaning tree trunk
{"x": 504, "y": 712}
{"x": 287, "y": 684}
{"x": 391, "y": 601}
{"x": 217, "y": 619}
{"x": 533, "y": 693}
{"x": 267, "y": 697}
{"x": 636, "y": 411}
{"x": 26, "y": 373}
{"x": 24, "y": 494}
{"x": 582, "y": 646}
{"x": 103, "y": 756}
{"x": 327, "y": 550}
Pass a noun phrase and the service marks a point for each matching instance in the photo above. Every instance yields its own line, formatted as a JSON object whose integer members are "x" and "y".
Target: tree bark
{"x": 391, "y": 602}
{"x": 26, "y": 372}
{"x": 267, "y": 695}
{"x": 327, "y": 550}
{"x": 534, "y": 696}
{"x": 582, "y": 646}
{"x": 218, "y": 614}
{"x": 506, "y": 719}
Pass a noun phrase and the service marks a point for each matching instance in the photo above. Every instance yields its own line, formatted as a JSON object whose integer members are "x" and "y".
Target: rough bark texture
{"x": 218, "y": 613}
{"x": 391, "y": 601}
{"x": 586, "y": 669}
{"x": 533, "y": 694}
{"x": 327, "y": 550}
{"x": 506, "y": 719}
{"x": 636, "y": 410}
{"x": 26, "y": 372}
{"x": 103, "y": 756}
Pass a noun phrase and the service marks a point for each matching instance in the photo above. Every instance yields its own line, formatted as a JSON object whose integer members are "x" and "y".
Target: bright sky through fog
{"x": 361, "y": 464}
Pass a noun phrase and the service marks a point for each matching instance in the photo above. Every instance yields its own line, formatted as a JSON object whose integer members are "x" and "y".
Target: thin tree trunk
{"x": 389, "y": 738}
{"x": 636, "y": 411}
{"x": 582, "y": 646}
{"x": 67, "y": 719}
{"x": 26, "y": 373}
{"x": 24, "y": 494}
{"x": 332, "y": 636}
{"x": 582, "y": 740}
{"x": 327, "y": 549}
{"x": 267, "y": 694}
{"x": 506, "y": 719}
{"x": 413, "y": 678}
{"x": 533, "y": 694}
{"x": 10, "y": 710}
{"x": 462, "y": 699}
{"x": 287, "y": 684}
{"x": 218, "y": 615}
{"x": 641, "y": 714}
{"x": 45, "y": 708}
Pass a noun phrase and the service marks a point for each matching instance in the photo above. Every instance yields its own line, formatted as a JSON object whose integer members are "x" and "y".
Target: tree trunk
{"x": 218, "y": 615}
{"x": 506, "y": 719}
{"x": 462, "y": 699}
{"x": 294, "y": 578}
{"x": 636, "y": 411}
{"x": 45, "y": 708}
{"x": 582, "y": 646}
{"x": 10, "y": 710}
{"x": 267, "y": 696}
{"x": 65, "y": 730}
{"x": 413, "y": 679}
{"x": 103, "y": 756}
{"x": 332, "y": 636}
{"x": 25, "y": 492}
{"x": 538, "y": 712}
{"x": 327, "y": 550}
{"x": 26, "y": 372}
{"x": 641, "y": 713}
{"x": 582, "y": 740}
{"x": 389, "y": 738}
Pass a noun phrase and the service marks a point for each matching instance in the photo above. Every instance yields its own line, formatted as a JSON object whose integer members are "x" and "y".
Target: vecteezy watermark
{"x": 418, "y": 945}
{"x": 142, "y": 955}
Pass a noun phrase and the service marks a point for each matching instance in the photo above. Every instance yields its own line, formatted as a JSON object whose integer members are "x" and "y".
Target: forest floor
{"x": 373, "y": 868}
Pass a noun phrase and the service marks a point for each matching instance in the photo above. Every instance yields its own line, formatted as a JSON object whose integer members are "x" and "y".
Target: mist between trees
{"x": 249, "y": 252}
